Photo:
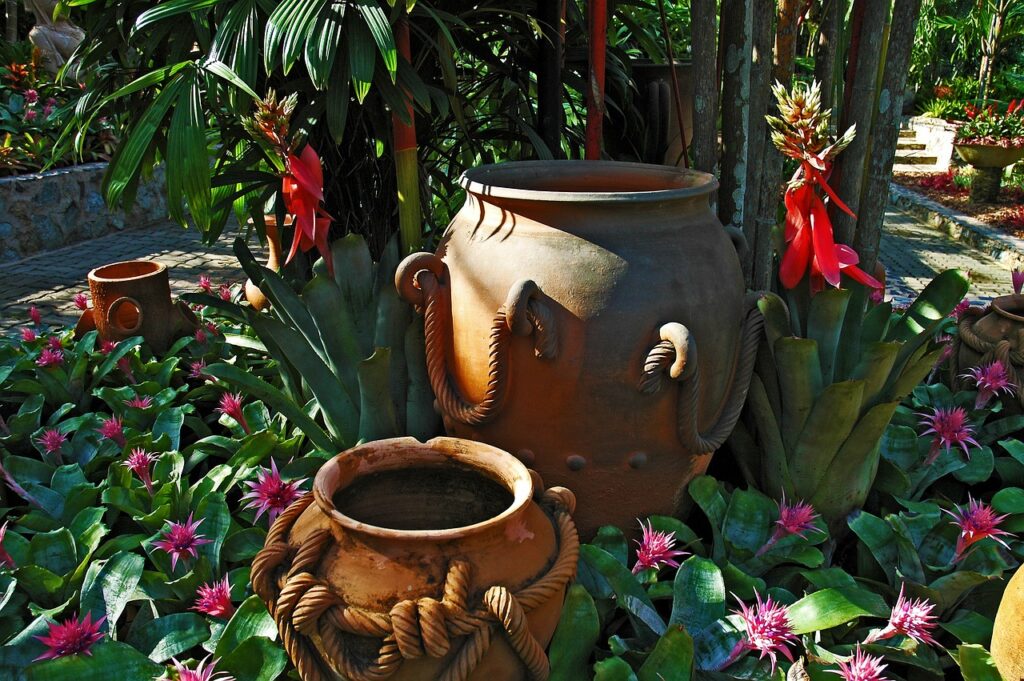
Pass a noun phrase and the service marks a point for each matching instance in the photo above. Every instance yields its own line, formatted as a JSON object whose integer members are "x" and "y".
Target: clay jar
{"x": 563, "y": 313}
{"x": 1008, "y": 632}
{"x": 133, "y": 298}
{"x": 415, "y": 561}
{"x": 995, "y": 332}
{"x": 253, "y": 294}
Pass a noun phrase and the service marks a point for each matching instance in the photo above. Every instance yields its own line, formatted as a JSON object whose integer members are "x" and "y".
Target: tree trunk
{"x": 988, "y": 59}
{"x": 737, "y": 46}
{"x": 874, "y": 196}
{"x": 704, "y": 146}
{"x": 848, "y": 176}
{"x": 12, "y": 21}
{"x": 598, "y": 28}
{"x": 549, "y": 75}
{"x": 827, "y": 49}
{"x": 758, "y": 231}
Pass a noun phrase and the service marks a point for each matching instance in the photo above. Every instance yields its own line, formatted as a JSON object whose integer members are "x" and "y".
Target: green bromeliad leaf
{"x": 830, "y": 608}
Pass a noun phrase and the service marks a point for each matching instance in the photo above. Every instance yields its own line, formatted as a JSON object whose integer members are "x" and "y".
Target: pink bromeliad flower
{"x": 5, "y": 558}
{"x": 231, "y": 404}
{"x": 28, "y": 335}
{"x": 205, "y": 284}
{"x": 795, "y": 519}
{"x": 767, "y": 630}
{"x": 270, "y": 493}
{"x": 137, "y": 402}
{"x": 50, "y": 358}
{"x": 202, "y": 672}
{"x": 656, "y": 549}
{"x": 951, "y": 429}
{"x": 113, "y": 429}
{"x": 861, "y": 667}
{"x": 181, "y": 540}
{"x": 225, "y": 292}
{"x": 212, "y": 328}
{"x": 55, "y": 343}
{"x": 52, "y": 440}
{"x": 910, "y": 618}
{"x": 1017, "y": 276}
{"x": 81, "y": 301}
{"x": 70, "y": 637}
{"x": 960, "y": 308}
{"x": 196, "y": 369}
{"x": 215, "y": 599}
{"x": 107, "y": 346}
{"x": 35, "y": 316}
{"x": 138, "y": 462}
{"x": 977, "y": 521}
{"x": 125, "y": 365}
{"x": 990, "y": 379}
{"x": 200, "y": 336}
{"x": 877, "y": 296}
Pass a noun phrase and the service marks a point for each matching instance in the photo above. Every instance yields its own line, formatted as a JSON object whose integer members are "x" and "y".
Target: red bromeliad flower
{"x": 1017, "y": 275}
{"x": 767, "y": 630}
{"x": 52, "y": 440}
{"x": 910, "y": 618}
{"x": 270, "y": 493}
{"x": 200, "y": 336}
{"x": 656, "y": 549}
{"x": 303, "y": 192}
{"x": 202, "y": 672}
{"x": 81, "y": 301}
{"x": 71, "y": 637}
{"x": 138, "y": 402}
{"x": 205, "y": 284}
{"x": 50, "y": 358}
{"x": 35, "y": 316}
{"x": 215, "y": 599}
{"x": 196, "y": 369}
{"x": 113, "y": 429}
{"x": 107, "y": 347}
{"x": 231, "y": 404}
{"x": 861, "y": 667}
{"x": 951, "y": 429}
{"x": 5, "y": 558}
{"x": 795, "y": 519}
{"x": 225, "y": 292}
{"x": 990, "y": 379}
{"x": 55, "y": 343}
{"x": 28, "y": 335}
{"x": 181, "y": 540}
{"x": 138, "y": 462}
{"x": 801, "y": 134}
{"x": 976, "y": 522}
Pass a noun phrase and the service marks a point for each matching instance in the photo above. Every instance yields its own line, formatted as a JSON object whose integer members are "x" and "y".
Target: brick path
{"x": 912, "y": 253}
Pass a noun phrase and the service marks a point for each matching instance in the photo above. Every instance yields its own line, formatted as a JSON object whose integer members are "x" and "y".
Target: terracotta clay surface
{"x": 562, "y": 302}
{"x": 987, "y": 334}
{"x": 1008, "y": 632}
{"x": 414, "y": 561}
{"x": 133, "y": 298}
{"x": 253, "y": 294}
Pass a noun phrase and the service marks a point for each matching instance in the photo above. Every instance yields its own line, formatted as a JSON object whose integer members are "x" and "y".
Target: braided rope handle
{"x": 676, "y": 355}
{"x": 1011, "y": 355}
{"x": 306, "y": 608}
{"x": 420, "y": 280}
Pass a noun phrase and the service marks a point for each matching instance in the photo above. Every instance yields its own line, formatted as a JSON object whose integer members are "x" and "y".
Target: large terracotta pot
{"x": 253, "y": 294}
{"x": 133, "y": 298}
{"x": 562, "y": 302}
{"x": 1008, "y": 632}
{"x": 415, "y": 561}
{"x": 987, "y": 334}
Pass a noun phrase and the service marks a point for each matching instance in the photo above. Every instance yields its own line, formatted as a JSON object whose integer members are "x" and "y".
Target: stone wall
{"x": 44, "y": 211}
{"x": 937, "y": 136}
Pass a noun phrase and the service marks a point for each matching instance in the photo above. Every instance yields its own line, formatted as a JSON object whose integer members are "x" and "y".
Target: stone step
{"x": 911, "y": 146}
{"x": 916, "y": 158}
{"x": 907, "y": 133}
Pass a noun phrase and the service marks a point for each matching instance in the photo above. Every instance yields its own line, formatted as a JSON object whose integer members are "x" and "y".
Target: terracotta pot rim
{"x": 519, "y": 180}
{"x": 1003, "y": 304}
{"x": 99, "y": 274}
{"x": 491, "y": 462}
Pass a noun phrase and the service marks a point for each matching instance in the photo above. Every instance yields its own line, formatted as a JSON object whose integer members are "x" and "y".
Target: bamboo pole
{"x": 736, "y": 46}
{"x": 703, "y": 38}
{"x": 12, "y": 21}
{"x": 758, "y": 231}
{"x": 598, "y": 20}
{"x": 549, "y": 75}
{"x": 827, "y": 49}
{"x": 410, "y": 223}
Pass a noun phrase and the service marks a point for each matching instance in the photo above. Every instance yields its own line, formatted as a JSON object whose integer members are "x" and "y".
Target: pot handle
{"x": 422, "y": 280}
{"x": 112, "y": 315}
{"x": 676, "y": 354}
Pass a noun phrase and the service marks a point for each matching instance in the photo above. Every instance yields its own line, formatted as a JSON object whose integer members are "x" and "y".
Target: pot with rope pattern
{"x": 563, "y": 312}
{"x": 440, "y": 560}
{"x": 986, "y": 334}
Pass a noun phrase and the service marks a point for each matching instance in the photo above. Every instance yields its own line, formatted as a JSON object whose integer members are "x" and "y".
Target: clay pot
{"x": 133, "y": 298}
{"x": 654, "y": 82}
{"x": 415, "y": 561}
{"x": 1008, "y": 632}
{"x": 595, "y": 284}
{"x": 987, "y": 334}
{"x": 253, "y": 293}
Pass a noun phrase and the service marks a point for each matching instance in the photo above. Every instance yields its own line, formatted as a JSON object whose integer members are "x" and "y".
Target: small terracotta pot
{"x": 133, "y": 298}
{"x": 413, "y": 561}
{"x": 253, "y": 293}
{"x": 1008, "y": 632}
{"x": 987, "y": 334}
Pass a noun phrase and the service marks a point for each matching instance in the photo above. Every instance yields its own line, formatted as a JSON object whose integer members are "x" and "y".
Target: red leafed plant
{"x": 801, "y": 132}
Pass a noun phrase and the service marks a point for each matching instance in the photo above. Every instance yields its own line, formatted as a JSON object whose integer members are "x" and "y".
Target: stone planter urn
{"x": 991, "y": 333}
{"x": 133, "y": 298}
{"x": 988, "y": 161}
{"x": 413, "y": 561}
{"x": 564, "y": 310}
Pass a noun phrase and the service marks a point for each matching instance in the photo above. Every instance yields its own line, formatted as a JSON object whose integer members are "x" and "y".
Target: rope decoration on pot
{"x": 676, "y": 355}
{"x": 419, "y": 281}
{"x": 307, "y": 609}
{"x": 990, "y": 350}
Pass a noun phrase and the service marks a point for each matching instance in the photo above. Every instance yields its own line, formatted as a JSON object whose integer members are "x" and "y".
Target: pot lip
{"x": 1003, "y": 304}
{"x": 496, "y": 180}
{"x": 393, "y": 454}
{"x": 94, "y": 274}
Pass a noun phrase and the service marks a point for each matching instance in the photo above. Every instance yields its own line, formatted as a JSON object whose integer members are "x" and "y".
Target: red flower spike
{"x": 302, "y": 189}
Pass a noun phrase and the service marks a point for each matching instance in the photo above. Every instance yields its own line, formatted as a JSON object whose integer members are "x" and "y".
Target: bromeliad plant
{"x": 992, "y": 127}
{"x": 836, "y": 364}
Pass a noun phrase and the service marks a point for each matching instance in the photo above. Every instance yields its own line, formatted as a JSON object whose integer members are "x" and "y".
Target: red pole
{"x": 598, "y": 11}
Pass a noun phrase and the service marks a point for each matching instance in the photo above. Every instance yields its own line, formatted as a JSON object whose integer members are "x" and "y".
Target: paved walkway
{"x": 912, "y": 252}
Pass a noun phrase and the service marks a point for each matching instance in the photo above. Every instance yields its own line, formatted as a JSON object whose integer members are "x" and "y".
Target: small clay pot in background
{"x": 253, "y": 293}
{"x": 133, "y": 298}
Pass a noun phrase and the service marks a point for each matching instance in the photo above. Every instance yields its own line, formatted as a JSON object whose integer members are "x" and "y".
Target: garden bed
{"x": 1007, "y": 215}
